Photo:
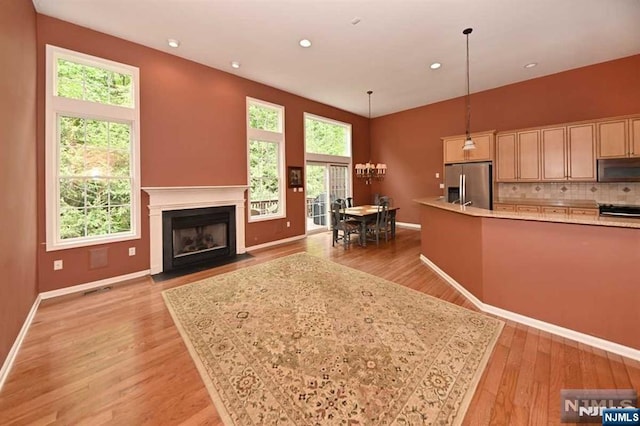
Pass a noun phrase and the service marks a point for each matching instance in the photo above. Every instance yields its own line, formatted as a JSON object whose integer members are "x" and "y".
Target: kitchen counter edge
{"x": 541, "y": 217}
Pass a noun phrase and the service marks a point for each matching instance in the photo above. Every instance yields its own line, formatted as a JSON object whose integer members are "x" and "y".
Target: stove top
{"x": 619, "y": 210}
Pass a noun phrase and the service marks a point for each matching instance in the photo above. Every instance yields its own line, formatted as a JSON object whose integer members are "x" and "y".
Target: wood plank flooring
{"x": 115, "y": 357}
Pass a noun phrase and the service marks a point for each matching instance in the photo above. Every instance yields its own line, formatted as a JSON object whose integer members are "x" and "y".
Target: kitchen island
{"x": 574, "y": 276}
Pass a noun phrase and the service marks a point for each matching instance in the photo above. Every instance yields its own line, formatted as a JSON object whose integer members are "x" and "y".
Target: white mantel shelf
{"x": 191, "y": 197}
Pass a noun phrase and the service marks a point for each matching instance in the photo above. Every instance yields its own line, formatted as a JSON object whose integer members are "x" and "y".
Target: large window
{"x": 265, "y": 139}
{"x": 92, "y": 150}
{"x": 328, "y": 137}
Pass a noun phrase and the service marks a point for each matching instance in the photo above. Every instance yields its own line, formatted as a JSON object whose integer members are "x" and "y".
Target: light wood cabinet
{"x": 613, "y": 139}
{"x": 453, "y": 152}
{"x": 528, "y": 209}
{"x": 518, "y": 156}
{"x": 634, "y": 141}
{"x": 504, "y": 207}
{"x": 554, "y": 153}
{"x": 506, "y": 169}
{"x": 568, "y": 153}
{"x": 583, "y": 212}
{"x": 555, "y": 210}
{"x": 618, "y": 138}
{"x": 581, "y": 158}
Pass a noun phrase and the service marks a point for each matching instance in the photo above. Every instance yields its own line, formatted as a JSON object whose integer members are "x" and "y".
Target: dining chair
{"x": 341, "y": 228}
{"x": 349, "y": 201}
{"x": 382, "y": 224}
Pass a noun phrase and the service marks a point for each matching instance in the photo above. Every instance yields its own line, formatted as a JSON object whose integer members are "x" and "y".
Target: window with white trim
{"x": 92, "y": 150}
{"x": 265, "y": 147}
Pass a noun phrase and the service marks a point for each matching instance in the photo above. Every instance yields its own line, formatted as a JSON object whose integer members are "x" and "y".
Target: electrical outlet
{"x": 437, "y": 175}
{"x": 132, "y": 251}
{"x": 288, "y": 224}
{"x": 442, "y": 186}
{"x": 57, "y": 265}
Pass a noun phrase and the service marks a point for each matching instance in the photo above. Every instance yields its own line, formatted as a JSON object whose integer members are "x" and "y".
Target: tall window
{"x": 265, "y": 139}
{"x": 92, "y": 150}
{"x": 327, "y": 137}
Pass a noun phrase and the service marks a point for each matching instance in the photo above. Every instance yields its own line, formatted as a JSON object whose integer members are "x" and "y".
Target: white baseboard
{"x": 276, "y": 243}
{"x": 408, "y": 225}
{"x": 90, "y": 286}
{"x": 11, "y": 356}
{"x": 567, "y": 333}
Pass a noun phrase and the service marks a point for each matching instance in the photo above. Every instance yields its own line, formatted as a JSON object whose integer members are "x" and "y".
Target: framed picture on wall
{"x": 295, "y": 177}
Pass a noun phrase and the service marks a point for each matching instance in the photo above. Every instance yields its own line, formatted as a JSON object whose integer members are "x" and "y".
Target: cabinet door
{"x": 612, "y": 139}
{"x": 634, "y": 140}
{"x": 582, "y": 152}
{"x": 506, "y": 157}
{"x": 529, "y": 155}
{"x": 528, "y": 209}
{"x": 504, "y": 207}
{"x": 483, "y": 149}
{"x": 583, "y": 212}
{"x": 554, "y": 154}
{"x": 555, "y": 210}
{"x": 453, "y": 152}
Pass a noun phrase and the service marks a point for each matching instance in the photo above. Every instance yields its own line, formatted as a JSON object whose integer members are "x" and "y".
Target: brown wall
{"x": 193, "y": 132}
{"x": 580, "y": 277}
{"x": 409, "y": 141}
{"x": 18, "y": 286}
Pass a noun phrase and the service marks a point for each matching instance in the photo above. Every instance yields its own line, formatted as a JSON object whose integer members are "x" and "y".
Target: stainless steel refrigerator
{"x": 469, "y": 184}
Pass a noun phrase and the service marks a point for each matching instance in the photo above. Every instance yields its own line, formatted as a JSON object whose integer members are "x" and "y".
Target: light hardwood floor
{"x": 116, "y": 357}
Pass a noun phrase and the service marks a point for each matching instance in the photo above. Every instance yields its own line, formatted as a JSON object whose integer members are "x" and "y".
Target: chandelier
{"x": 370, "y": 171}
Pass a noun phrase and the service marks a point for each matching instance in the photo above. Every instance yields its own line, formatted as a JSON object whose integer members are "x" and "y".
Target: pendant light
{"x": 468, "y": 143}
{"x": 370, "y": 170}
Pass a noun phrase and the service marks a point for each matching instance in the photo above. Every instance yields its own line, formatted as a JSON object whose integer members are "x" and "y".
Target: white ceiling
{"x": 388, "y": 52}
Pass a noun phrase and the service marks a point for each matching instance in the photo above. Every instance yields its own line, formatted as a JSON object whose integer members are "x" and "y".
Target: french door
{"x": 325, "y": 182}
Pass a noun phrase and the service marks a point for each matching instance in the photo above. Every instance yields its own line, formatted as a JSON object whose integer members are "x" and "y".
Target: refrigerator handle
{"x": 461, "y": 186}
{"x": 463, "y": 189}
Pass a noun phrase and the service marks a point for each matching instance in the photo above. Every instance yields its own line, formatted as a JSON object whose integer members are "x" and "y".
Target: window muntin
{"x": 92, "y": 150}
{"x": 327, "y": 137}
{"x": 265, "y": 145}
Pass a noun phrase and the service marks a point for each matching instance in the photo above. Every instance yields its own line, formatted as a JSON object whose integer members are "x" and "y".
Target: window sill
{"x": 90, "y": 242}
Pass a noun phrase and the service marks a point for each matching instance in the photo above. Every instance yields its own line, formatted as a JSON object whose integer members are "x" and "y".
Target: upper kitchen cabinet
{"x": 618, "y": 138}
{"x": 581, "y": 152}
{"x": 634, "y": 127}
{"x": 568, "y": 153}
{"x": 518, "y": 156}
{"x": 453, "y": 152}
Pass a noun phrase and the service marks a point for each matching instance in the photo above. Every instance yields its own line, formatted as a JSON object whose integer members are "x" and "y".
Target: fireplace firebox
{"x": 194, "y": 237}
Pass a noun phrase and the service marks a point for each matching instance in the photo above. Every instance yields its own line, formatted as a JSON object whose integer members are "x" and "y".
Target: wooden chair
{"x": 341, "y": 228}
{"x": 381, "y": 226}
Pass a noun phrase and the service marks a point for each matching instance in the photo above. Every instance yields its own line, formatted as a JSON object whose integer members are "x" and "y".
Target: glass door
{"x": 325, "y": 182}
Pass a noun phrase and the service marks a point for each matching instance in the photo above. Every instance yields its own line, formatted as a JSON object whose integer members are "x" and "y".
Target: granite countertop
{"x": 542, "y": 217}
{"x": 580, "y": 204}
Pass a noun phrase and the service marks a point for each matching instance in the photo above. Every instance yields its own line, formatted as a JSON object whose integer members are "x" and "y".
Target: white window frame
{"x": 55, "y": 105}
{"x": 326, "y": 157}
{"x": 268, "y": 136}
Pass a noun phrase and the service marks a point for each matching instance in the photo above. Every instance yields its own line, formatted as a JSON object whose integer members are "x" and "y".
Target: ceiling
{"x": 389, "y": 51}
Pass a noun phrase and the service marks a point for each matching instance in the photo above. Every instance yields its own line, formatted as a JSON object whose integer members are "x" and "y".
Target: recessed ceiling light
{"x": 235, "y": 64}
{"x": 305, "y": 43}
{"x": 355, "y": 21}
{"x": 531, "y": 65}
{"x": 435, "y": 65}
{"x": 173, "y": 42}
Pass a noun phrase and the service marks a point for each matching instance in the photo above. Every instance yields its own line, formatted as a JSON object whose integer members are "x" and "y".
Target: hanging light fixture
{"x": 370, "y": 171}
{"x": 468, "y": 143}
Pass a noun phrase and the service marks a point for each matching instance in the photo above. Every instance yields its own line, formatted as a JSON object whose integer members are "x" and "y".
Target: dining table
{"x": 367, "y": 213}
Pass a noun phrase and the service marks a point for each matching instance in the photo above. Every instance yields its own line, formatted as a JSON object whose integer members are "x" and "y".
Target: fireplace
{"x": 192, "y": 237}
{"x": 175, "y": 199}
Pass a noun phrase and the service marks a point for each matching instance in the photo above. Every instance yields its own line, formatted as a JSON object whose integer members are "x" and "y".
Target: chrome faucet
{"x": 468, "y": 203}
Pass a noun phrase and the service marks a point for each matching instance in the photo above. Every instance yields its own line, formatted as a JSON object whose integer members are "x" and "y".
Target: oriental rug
{"x": 304, "y": 341}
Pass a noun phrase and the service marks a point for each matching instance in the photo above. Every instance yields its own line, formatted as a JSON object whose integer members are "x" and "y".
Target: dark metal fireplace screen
{"x": 196, "y": 236}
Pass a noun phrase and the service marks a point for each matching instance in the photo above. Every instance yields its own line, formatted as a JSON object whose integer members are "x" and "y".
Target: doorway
{"x": 325, "y": 182}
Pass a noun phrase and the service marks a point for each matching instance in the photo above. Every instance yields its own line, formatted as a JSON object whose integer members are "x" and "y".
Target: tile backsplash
{"x": 605, "y": 193}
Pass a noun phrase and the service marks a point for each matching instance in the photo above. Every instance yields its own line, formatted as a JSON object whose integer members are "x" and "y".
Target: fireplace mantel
{"x": 191, "y": 197}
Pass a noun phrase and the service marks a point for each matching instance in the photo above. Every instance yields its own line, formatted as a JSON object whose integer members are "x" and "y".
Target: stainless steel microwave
{"x": 619, "y": 170}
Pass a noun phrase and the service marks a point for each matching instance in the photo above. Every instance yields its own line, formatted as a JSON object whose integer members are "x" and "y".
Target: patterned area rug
{"x": 304, "y": 341}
